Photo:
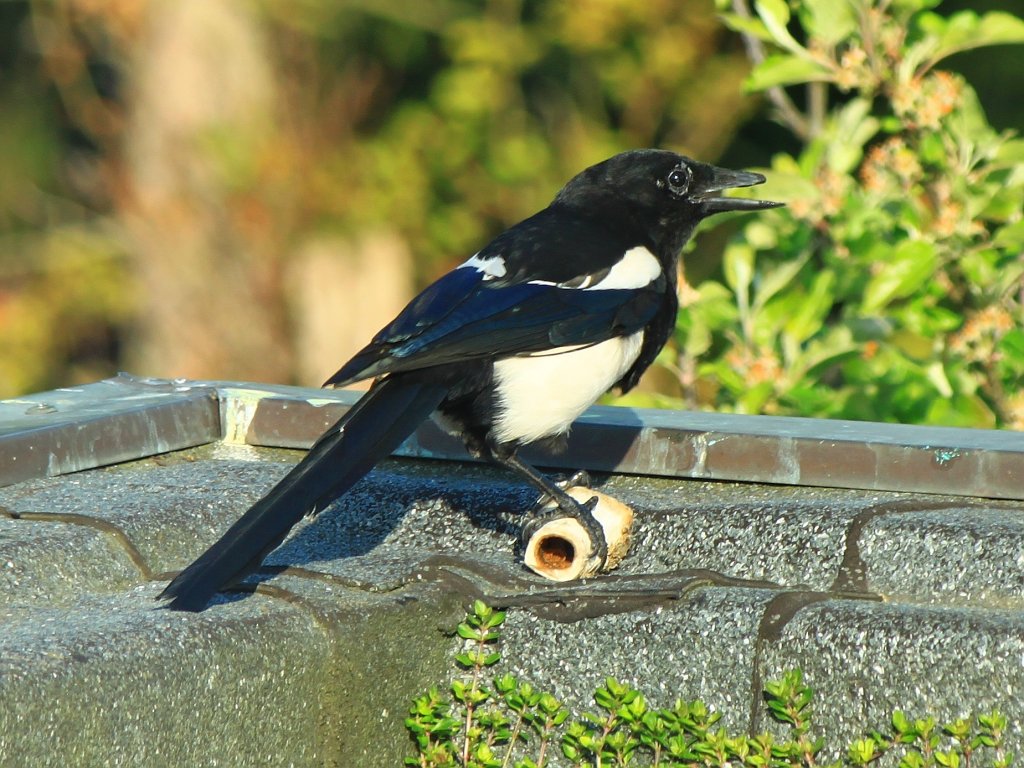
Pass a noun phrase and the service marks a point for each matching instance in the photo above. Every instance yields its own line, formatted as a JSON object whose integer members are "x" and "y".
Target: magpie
{"x": 508, "y": 348}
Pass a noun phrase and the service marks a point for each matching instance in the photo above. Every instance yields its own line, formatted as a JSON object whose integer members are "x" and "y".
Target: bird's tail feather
{"x": 370, "y": 431}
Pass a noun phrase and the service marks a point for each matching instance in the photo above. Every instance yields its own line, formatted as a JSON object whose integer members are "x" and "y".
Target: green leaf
{"x": 830, "y": 21}
{"x": 935, "y": 372}
{"x": 862, "y": 751}
{"x": 753, "y": 398}
{"x": 738, "y": 266}
{"x": 788, "y": 184}
{"x": 924, "y": 726}
{"x": 778, "y": 278}
{"x": 993, "y": 721}
{"x": 1011, "y": 236}
{"x": 932, "y": 150}
{"x": 746, "y": 25}
{"x": 1011, "y": 346}
{"x": 761, "y": 235}
{"x": 807, "y": 320}
{"x": 1010, "y": 152}
{"x": 912, "y": 263}
{"x": 821, "y": 358}
{"x": 481, "y": 610}
{"x": 852, "y": 127}
{"x": 914, "y": 345}
{"x": 908, "y": 7}
{"x": 495, "y": 619}
{"x": 966, "y": 30}
{"x": 775, "y": 15}
{"x": 959, "y": 728}
{"x": 784, "y": 69}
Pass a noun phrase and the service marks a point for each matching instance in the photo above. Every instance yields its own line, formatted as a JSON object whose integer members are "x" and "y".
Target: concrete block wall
{"x": 886, "y": 598}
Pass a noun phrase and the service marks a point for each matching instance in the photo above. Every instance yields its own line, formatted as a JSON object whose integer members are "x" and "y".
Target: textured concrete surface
{"x": 886, "y": 600}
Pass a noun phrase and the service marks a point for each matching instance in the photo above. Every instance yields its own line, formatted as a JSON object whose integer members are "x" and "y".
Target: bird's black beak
{"x": 711, "y": 179}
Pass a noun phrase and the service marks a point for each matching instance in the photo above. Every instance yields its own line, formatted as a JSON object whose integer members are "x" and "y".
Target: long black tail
{"x": 371, "y": 430}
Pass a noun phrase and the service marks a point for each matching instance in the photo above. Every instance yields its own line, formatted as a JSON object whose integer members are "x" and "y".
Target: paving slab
{"x": 50, "y": 560}
{"x": 885, "y": 599}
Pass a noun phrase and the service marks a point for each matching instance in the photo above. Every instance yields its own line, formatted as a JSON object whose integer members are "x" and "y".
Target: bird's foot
{"x": 550, "y": 507}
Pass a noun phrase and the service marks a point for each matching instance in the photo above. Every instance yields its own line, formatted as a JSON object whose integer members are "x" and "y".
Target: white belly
{"x": 541, "y": 395}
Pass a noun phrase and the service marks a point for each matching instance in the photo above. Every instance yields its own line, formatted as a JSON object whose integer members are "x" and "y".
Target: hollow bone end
{"x": 562, "y": 550}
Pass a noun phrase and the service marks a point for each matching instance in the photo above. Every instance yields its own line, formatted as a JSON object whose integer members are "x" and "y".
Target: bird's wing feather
{"x": 462, "y": 317}
{"x": 514, "y": 297}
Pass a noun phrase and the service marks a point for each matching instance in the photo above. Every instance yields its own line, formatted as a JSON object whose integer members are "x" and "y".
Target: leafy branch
{"x": 891, "y": 286}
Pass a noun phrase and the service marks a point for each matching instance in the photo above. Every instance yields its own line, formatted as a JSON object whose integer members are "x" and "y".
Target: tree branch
{"x": 786, "y": 110}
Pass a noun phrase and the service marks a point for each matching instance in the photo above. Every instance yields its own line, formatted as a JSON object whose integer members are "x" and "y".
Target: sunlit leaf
{"x": 852, "y": 127}
{"x": 912, "y": 262}
{"x": 778, "y": 278}
{"x": 738, "y": 266}
{"x": 966, "y": 30}
{"x": 813, "y": 309}
{"x": 747, "y": 26}
{"x": 784, "y": 69}
{"x": 830, "y": 21}
{"x": 775, "y": 15}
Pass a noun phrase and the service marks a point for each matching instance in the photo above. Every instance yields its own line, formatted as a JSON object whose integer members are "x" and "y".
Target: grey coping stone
{"x": 129, "y": 417}
{"x": 115, "y": 680}
{"x": 885, "y": 599}
{"x": 120, "y": 419}
{"x": 866, "y": 660}
{"x": 155, "y": 505}
{"x": 715, "y": 446}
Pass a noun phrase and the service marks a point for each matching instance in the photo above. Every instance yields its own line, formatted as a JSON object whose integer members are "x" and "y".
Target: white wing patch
{"x": 637, "y": 268}
{"x": 492, "y": 267}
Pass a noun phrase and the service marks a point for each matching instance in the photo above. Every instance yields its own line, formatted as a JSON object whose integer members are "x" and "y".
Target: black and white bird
{"x": 508, "y": 348}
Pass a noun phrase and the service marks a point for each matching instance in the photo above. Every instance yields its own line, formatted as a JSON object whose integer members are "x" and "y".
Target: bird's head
{"x": 664, "y": 193}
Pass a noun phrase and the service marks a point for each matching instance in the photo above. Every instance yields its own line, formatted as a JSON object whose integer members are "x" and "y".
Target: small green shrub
{"x": 508, "y": 723}
{"x": 890, "y": 288}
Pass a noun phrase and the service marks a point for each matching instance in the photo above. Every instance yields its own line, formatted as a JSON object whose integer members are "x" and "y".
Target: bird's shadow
{"x": 436, "y": 505}
{"x": 442, "y": 495}
{"x": 447, "y": 499}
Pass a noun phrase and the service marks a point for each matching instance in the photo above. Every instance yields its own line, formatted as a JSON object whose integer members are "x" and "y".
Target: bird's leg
{"x": 565, "y": 503}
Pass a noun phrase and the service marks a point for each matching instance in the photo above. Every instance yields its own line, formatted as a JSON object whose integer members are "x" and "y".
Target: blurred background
{"x": 249, "y": 189}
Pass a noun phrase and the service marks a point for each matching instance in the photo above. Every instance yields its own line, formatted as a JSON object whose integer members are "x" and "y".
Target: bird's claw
{"x": 583, "y": 512}
{"x": 578, "y": 478}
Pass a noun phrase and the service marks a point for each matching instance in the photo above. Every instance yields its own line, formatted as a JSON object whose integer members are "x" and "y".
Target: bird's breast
{"x": 540, "y": 395}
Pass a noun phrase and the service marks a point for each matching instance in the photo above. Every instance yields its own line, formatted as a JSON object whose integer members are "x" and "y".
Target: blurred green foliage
{"x": 480, "y": 111}
{"x": 442, "y": 121}
{"x": 888, "y": 289}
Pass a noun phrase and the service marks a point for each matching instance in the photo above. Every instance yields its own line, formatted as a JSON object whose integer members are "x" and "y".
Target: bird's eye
{"x": 679, "y": 180}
